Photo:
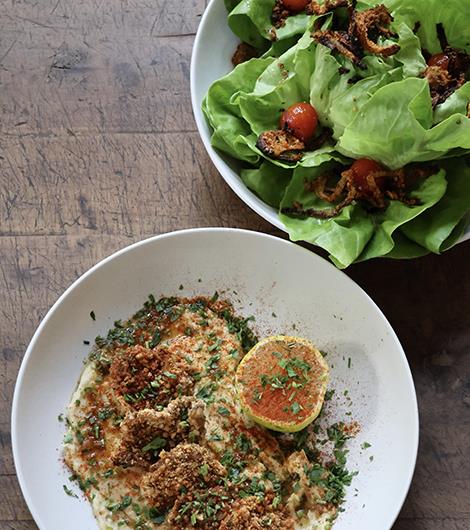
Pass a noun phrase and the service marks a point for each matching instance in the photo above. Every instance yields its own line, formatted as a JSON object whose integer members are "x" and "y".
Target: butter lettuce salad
{"x": 353, "y": 120}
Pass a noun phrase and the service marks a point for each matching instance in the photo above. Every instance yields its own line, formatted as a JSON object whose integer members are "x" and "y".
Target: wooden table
{"x": 98, "y": 149}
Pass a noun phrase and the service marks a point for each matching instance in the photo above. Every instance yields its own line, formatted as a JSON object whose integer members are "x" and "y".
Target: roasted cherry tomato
{"x": 295, "y": 5}
{"x": 301, "y": 119}
{"x": 361, "y": 169}
{"x": 440, "y": 59}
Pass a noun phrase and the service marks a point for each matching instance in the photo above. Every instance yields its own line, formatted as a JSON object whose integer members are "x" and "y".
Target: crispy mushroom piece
{"x": 353, "y": 42}
{"x": 341, "y": 41}
{"x": 280, "y": 14}
{"x": 445, "y": 80}
{"x": 186, "y": 467}
{"x": 280, "y": 145}
{"x": 243, "y": 53}
{"x": 375, "y": 190}
{"x": 374, "y": 20}
{"x": 147, "y": 431}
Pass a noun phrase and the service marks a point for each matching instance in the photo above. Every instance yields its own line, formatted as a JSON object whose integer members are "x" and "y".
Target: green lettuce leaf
{"x": 395, "y": 126}
{"x": 223, "y": 112}
{"x": 355, "y": 234}
{"x": 398, "y": 214}
{"x": 268, "y": 181}
{"x": 404, "y": 248}
{"x": 383, "y": 112}
{"x": 343, "y": 236}
{"x": 251, "y": 22}
{"x": 434, "y": 228}
{"x": 452, "y": 14}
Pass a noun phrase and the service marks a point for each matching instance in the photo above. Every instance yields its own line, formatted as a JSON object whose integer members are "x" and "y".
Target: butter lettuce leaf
{"x": 357, "y": 234}
{"x": 251, "y": 22}
{"x": 383, "y": 111}
{"x": 436, "y": 227}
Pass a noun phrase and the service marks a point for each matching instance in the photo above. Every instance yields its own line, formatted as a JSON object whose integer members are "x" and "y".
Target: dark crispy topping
{"x": 446, "y": 71}
{"x": 340, "y": 41}
{"x": 146, "y": 432}
{"x": 243, "y": 53}
{"x": 374, "y": 21}
{"x": 279, "y": 14}
{"x": 186, "y": 467}
{"x": 280, "y": 145}
{"x": 373, "y": 189}
{"x": 146, "y": 377}
{"x": 363, "y": 30}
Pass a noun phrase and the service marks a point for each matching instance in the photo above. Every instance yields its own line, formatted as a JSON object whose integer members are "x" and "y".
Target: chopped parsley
{"x": 156, "y": 338}
{"x": 92, "y": 315}
{"x": 240, "y": 327}
{"x": 329, "y": 394}
{"x": 156, "y": 445}
{"x": 125, "y": 503}
{"x": 69, "y": 492}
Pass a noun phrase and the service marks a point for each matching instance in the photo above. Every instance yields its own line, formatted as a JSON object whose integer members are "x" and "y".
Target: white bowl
{"x": 269, "y": 275}
{"x": 211, "y": 60}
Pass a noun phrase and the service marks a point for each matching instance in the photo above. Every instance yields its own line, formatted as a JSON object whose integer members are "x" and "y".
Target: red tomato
{"x": 440, "y": 59}
{"x": 301, "y": 119}
{"x": 362, "y": 168}
{"x": 295, "y": 5}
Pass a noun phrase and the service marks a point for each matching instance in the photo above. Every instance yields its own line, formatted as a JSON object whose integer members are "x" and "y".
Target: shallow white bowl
{"x": 270, "y": 276}
{"x": 211, "y": 59}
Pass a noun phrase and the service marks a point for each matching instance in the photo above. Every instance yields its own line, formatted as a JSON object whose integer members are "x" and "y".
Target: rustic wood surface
{"x": 98, "y": 149}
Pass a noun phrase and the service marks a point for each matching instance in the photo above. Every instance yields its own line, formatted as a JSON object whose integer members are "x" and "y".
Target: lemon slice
{"x": 282, "y": 382}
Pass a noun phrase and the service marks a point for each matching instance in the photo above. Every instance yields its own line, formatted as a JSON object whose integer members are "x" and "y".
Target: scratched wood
{"x": 98, "y": 149}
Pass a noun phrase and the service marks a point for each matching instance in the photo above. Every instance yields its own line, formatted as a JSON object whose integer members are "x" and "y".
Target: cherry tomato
{"x": 440, "y": 59}
{"x": 362, "y": 168}
{"x": 295, "y": 5}
{"x": 301, "y": 119}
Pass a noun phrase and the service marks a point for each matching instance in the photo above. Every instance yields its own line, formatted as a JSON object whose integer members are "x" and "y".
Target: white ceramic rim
{"x": 237, "y": 185}
{"x": 247, "y": 196}
{"x": 56, "y": 306}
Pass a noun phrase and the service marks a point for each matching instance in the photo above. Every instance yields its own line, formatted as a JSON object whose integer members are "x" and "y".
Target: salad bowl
{"x": 207, "y": 67}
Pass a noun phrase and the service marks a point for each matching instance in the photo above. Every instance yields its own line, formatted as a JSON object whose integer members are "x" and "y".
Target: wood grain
{"x": 98, "y": 149}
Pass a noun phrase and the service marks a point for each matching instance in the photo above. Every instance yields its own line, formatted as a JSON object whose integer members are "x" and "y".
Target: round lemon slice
{"x": 282, "y": 382}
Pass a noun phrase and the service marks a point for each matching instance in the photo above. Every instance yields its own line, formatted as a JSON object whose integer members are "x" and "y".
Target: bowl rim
{"x": 194, "y": 231}
{"x": 236, "y": 184}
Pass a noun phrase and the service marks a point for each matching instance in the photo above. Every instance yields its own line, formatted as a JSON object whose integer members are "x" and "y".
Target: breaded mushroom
{"x": 186, "y": 467}
{"x": 146, "y": 432}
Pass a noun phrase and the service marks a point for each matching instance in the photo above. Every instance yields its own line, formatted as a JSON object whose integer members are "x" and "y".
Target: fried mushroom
{"x": 280, "y": 145}
{"x": 373, "y": 187}
{"x": 374, "y": 20}
{"x": 146, "y": 377}
{"x": 341, "y": 41}
{"x": 243, "y": 53}
{"x": 357, "y": 38}
{"x": 186, "y": 467}
{"x": 146, "y": 432}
